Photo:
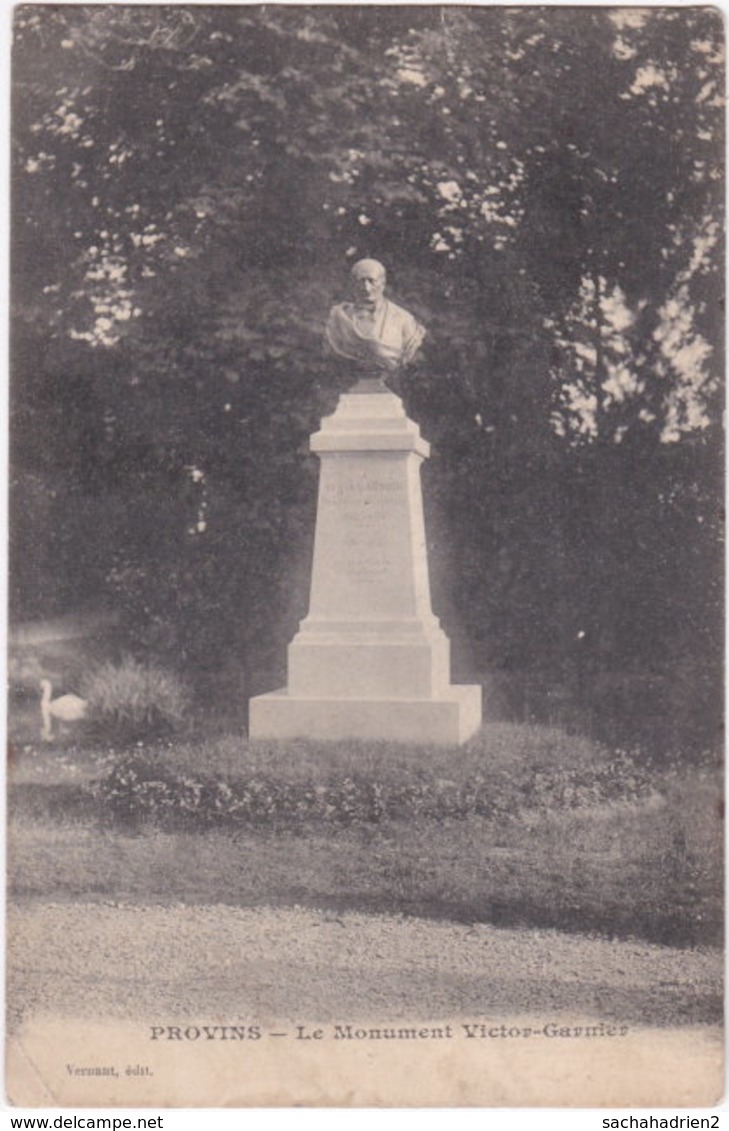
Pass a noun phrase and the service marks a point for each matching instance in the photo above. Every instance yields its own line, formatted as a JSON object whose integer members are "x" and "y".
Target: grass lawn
{"x": 522, "y": 825}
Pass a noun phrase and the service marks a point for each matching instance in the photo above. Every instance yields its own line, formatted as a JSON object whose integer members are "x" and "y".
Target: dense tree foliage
{"x": 545, "y": 188}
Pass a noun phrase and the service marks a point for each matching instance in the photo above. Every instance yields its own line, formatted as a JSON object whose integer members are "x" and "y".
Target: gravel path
{"x": 255, "y": 964}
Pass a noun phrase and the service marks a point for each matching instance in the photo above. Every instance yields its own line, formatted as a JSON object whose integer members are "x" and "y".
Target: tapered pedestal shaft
{"x": 370, "y": 660}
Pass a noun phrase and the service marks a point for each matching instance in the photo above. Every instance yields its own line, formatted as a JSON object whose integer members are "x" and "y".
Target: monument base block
{"x": 370, "y": 661}
{"x": 446, "y": 720}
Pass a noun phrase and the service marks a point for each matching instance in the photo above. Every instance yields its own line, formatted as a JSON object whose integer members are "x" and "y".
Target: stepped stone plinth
{"x": 370, "y": 661}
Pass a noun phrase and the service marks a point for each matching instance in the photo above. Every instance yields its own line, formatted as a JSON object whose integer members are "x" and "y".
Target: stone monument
{"x": 370, "y": 660}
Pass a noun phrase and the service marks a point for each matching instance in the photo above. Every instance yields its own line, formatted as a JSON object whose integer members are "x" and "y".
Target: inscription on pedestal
{"x": 362, "y": 537}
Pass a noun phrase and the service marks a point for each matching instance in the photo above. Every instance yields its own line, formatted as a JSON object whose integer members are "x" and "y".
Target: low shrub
{"x": 130, "y": 702}
{"x": 142, "y": 788}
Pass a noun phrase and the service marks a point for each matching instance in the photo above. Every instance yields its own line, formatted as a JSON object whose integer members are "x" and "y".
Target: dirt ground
{"x": 206, "y": 962}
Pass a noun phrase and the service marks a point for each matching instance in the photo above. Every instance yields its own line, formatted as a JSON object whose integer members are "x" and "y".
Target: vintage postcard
{"x": 365, "y": 639}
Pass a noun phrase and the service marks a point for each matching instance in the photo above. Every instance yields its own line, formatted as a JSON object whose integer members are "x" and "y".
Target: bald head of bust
{"x": 368, "y": 282}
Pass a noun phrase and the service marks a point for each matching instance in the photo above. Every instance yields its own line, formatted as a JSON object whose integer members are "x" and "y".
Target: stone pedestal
{"x": 370, "y": 660}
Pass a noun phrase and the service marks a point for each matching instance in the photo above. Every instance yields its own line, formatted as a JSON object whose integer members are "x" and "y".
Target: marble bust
{"x": 374, "y": 334}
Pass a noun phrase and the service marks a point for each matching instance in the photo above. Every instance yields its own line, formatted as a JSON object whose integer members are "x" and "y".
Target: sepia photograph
{"x": 365, "y": 587}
